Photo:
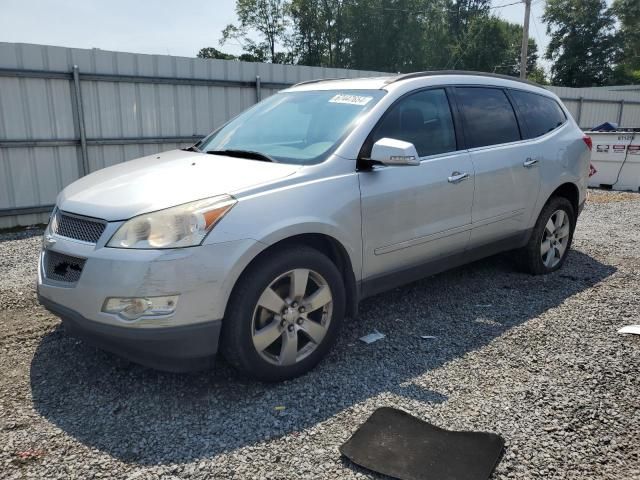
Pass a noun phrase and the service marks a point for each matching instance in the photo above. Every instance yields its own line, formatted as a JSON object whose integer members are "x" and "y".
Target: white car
{"x": 261, "y": 238}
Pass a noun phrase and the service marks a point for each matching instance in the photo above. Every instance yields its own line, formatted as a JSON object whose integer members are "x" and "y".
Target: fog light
{"x": 134, "y": 308}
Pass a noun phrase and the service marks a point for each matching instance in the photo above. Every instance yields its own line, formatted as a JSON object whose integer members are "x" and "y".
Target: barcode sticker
{"x": 350, "y": 99}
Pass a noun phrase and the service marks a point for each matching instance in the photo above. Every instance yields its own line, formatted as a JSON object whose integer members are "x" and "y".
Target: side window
{"x": 542, "y": 114}
{"x": 424, "y": 119}
{"x": 488, "y": 115}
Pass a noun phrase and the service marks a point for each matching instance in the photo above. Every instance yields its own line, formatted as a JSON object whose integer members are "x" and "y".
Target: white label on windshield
{"x": 350, "y": 99}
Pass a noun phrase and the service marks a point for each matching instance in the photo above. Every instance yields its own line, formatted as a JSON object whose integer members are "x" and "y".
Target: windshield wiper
{"x": 192, "y": 148}
{"x": 250, "y": 154}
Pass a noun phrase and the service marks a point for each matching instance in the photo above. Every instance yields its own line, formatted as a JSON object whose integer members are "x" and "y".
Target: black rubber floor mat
{"x": 394, "y": 443}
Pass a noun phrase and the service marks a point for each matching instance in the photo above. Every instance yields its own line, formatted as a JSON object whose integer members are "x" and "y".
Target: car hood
{"x": 164, "y": 180}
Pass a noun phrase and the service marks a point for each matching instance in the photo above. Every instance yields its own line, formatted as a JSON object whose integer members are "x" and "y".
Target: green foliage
{"x": 538, "y": 76}
{"x": 267, "y": 18}
{"x": 384, "y": 35}
{"x": 628, "y": 12}
{"x": 320, "y": 31}
{"x": 413, "y": 35}
{"x": 584, "y": 45}
{"x": 210, "y": 52}
{"x": 493, "y": 45}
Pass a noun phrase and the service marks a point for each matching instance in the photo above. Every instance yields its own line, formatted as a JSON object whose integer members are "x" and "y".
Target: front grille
{"x": 78, "y": 228}
{"x": 62, "y": 268}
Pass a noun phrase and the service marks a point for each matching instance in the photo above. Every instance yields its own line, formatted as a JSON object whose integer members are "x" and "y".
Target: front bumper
{"x": 175, "y": 349}
{"x": 202, "y": 277}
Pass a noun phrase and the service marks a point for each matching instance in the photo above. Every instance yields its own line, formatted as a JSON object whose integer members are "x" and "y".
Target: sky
{"x": 158, "y": 26}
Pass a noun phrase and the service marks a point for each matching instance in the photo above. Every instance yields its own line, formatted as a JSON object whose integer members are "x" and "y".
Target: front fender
{"x": 329, "y": 206}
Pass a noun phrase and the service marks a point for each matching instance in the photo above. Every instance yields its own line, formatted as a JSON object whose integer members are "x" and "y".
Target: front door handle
{"x": 530, "y": 162}
{"x": 457, "y": 177}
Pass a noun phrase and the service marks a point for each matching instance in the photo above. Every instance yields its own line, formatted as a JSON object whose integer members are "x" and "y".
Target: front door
{"x": 414, "y": 214}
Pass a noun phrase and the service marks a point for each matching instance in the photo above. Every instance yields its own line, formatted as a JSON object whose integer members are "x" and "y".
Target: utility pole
{"x": 525, "y": 40}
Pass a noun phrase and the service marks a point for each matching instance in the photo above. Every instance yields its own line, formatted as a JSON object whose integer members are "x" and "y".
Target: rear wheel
{"x": 551, "y": 238}
{"x": 284, "y": 314}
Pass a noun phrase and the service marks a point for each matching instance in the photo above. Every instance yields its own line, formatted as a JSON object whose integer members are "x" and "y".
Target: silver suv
{"x": 265, "y": 235}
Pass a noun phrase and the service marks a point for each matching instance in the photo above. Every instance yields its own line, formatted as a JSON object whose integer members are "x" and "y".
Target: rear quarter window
{"x": 489, "y": 118}
{"x": 541, "y": 114}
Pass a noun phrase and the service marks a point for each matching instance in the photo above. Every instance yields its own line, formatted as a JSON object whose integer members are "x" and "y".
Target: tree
{"x": 491, "y": 44}
{"x": 584, "y": 46}
{"x": 383, "y": 35}
{"x": 309, "y": 47}
{"x": 538, "y": 76}
{"x": 266, "y": 18}
{"x": 628, "y": 12}
{"x": 210, "y": 52}
{"x": 391, "y": 35}
{"x": 319, "y": 32}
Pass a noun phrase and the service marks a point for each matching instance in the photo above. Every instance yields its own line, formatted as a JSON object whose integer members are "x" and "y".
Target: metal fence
{"x": 67, "y": 112}
{"x": 594, "y": 106}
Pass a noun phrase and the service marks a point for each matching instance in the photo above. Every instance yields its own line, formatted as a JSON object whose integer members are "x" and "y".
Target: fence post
{"x": 258, "y": 88}
{"x": 620, "y": 113}
{"x": 78, "y": 112}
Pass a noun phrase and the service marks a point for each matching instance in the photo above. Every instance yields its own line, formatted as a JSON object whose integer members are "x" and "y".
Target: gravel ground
{"x": 535, "y": 359}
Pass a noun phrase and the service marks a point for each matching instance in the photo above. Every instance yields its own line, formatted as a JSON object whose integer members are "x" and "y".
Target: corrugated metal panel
{"x": 574, "y": 107}
{"x": 595, "y": 93}
{"x": 34, "y": 109}
{"x": 594, "y": 114}
{"x": 37, "y": 109}
{"x": 631, "y": 116}
{"x": 601, "y": 104}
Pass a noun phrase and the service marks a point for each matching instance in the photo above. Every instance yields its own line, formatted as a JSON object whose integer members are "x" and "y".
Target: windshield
{"x": 293, "y": 127}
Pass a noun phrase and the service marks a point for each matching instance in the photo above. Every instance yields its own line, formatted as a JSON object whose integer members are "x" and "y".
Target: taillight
{"x": 588, "y": 141}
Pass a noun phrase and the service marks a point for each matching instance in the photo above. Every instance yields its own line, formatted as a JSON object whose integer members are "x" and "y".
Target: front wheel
{"x": 284, "y": 314}
{"x": 551, "y": 238}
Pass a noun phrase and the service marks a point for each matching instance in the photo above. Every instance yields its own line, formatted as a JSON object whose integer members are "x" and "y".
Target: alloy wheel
{"x": 555, "y": 238}
{"x": 292, "y": 317}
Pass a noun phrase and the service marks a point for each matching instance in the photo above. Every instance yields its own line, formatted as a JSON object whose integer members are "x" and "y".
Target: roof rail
{"x": 317, "y": 80}
{"x": 431, "y": 73}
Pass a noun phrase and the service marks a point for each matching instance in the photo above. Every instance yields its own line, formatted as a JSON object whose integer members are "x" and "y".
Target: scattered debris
{"x": 31, "y": 454}
{"x": 372, "y": 337}
{"x": 634, "y": 329}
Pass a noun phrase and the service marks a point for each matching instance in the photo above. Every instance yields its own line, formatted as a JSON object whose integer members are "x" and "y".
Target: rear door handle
{"x": 530, "y": 162}
{"x": 457, "y": 177}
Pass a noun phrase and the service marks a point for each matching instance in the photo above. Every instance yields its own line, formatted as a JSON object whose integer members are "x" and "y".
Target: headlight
{"x": 182, "y": 226}
{"x": 51, "y": 225}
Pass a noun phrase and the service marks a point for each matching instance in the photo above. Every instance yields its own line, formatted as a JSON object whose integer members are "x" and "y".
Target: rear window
{"x": 488, "y": 115}
{"x": 541, "y": 114}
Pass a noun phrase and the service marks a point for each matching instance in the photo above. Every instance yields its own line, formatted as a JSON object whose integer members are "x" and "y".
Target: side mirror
{"x": 394, "y": 152}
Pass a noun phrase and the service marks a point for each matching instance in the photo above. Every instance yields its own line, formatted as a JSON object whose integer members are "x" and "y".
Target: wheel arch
{"x": 569, "y": 191}
{"x": 325, "y": 244}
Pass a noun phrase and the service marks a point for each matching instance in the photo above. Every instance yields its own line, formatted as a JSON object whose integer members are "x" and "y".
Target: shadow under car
{"x": 129, "y": 411}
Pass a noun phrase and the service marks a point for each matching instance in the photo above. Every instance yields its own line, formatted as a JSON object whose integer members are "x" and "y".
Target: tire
{"x": 532, "y": 258}
{"x": 249, "y": 325}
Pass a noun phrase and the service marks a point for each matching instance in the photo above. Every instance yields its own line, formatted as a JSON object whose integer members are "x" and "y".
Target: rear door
{"x": 507, "y": 178}
{"x": 414, "y": 214}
